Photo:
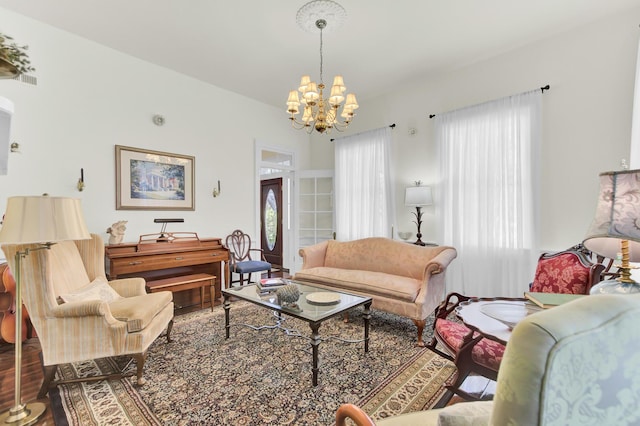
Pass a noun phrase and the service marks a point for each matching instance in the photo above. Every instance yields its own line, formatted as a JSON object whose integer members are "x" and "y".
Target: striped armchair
{"x": 78, "y": 315}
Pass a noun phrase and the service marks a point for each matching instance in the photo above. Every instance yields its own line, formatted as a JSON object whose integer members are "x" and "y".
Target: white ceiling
{"x": 255, "y": 48}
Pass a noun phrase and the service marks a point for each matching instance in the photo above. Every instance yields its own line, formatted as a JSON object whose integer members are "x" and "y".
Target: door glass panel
{"x": 271, "y": 219}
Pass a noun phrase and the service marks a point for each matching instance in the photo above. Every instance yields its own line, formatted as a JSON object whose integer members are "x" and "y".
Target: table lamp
{"x": 418, "y": 197}
{"x": 40, "y": 220}
{"x": 615, "y": 230}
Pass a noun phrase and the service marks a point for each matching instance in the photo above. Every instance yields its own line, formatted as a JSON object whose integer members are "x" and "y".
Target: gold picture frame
{"x": 154, "y": 180}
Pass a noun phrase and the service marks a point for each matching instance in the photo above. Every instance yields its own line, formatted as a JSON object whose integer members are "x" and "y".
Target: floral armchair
{"x": 78, "y": 315}
{"x": 568, "y": 271}
{"x": 575, "y": 364}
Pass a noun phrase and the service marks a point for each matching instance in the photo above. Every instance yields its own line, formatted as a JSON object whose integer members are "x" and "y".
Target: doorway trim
{"x": 288, "y": 173}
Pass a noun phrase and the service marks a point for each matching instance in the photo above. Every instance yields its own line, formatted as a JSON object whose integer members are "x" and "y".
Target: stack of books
{"x": 269, "y": 285}
{"x": 549, "y": 300}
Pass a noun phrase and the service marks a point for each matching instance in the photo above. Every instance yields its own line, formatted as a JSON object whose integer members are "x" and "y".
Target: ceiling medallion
{"x": 330, "y": 11}
{"x": 319, "y": 113}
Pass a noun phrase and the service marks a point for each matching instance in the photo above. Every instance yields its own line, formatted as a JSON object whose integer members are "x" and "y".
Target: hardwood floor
{"x": 31, "y": 377}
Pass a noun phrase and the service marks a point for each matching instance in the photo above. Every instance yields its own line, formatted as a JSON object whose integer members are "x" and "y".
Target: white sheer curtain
{"x": 488, "y": 196}
{"x": 364, "y": 194}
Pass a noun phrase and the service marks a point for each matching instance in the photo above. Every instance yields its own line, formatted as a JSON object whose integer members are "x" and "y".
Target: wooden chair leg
{"x": 170, "y": 327}
{"x": 420, "y": 324}
{"x": 212, "y": 292}
{"x": 49, "y": 374}
{"x": 140, "y": 359}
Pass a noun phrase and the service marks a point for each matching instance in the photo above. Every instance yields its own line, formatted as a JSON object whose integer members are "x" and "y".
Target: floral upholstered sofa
{"x": 401, "y": 278}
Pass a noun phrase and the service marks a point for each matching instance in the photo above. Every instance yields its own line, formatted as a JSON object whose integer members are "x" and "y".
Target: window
{"x": 488, "y": 163}
{"x": 364, "y": 194}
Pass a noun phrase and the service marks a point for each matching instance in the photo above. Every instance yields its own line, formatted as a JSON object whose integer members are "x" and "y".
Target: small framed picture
{"x": 154, "y": 180}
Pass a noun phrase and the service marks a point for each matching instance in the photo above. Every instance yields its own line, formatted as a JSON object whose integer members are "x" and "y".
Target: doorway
{"x": 275, "y": 167}
{"x": 271, "y": 209}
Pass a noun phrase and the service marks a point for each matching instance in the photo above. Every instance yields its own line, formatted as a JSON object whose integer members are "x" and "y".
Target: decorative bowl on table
{"x": 404, "y": 235}
{"x": 508, "y": 313}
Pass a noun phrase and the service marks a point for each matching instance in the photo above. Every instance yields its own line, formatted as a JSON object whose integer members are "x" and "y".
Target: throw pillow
{"x": 466, "y": 414}
{"x": 98, "y": 289}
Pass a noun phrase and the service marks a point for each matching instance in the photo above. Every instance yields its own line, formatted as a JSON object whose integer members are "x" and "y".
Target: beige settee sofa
{"x": 401, "y": 278}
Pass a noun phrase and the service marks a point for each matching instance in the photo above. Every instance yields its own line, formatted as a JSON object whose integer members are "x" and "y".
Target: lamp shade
{"x": 418, "y": 196}
{"x": 617, "y": 215}
{"x": 43, "y": 219}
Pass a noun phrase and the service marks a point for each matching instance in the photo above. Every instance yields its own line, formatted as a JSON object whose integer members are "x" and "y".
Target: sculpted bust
{"x": 116, "y": 232}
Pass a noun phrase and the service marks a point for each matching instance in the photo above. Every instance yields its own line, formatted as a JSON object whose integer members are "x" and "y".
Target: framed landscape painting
{"x": 153, "y": 180}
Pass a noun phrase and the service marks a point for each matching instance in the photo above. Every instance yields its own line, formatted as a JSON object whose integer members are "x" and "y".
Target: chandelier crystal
{"x": 318, "y": 112}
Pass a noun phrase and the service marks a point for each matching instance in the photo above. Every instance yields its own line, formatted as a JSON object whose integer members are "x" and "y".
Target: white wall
{"x": 90, "y": 98}
{"x": 586, "y": 128}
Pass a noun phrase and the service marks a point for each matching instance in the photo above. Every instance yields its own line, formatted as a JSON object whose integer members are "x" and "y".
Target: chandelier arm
{"x": 299, "y": 125}
{"x": 340, "y": 126}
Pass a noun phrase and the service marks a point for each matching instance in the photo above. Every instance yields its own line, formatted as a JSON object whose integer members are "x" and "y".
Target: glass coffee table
{"x": 326, "y": 306}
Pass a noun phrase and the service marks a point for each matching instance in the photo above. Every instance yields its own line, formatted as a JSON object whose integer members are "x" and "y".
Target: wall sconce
{"x": 81, "y": 181}
{"x": 216, "y": 192}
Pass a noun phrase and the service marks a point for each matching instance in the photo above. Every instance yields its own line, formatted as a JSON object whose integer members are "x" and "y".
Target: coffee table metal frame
{"x": 313, "y": 314}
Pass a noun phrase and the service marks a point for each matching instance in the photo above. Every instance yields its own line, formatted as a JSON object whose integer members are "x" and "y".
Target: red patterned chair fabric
{"x": 569, "y": 271}
{"x": 566, "y": 272}
{"x": 486, "y": 352}
{"x": 468, "y": 350}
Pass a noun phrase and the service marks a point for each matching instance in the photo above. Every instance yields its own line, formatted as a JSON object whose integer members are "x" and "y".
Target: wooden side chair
{"x": 241, "y": 262}
{"x": 568, "y": 271}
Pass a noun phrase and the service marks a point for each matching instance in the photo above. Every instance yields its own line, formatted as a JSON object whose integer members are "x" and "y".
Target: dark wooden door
{"x": 271, "y": 220}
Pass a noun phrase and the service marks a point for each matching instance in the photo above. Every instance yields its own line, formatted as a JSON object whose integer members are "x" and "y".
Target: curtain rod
{"x": 542, "y": 89}
{"x": 393, "y": 126}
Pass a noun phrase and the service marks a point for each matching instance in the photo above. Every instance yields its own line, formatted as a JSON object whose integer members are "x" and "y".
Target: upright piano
{"x": 167, "y": 255}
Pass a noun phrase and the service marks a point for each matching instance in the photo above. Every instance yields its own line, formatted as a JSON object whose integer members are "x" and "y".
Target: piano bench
{"x": 185, "y": 282}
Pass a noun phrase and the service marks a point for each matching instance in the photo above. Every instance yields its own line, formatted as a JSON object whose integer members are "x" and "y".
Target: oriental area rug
{"x": 260, "y": 377}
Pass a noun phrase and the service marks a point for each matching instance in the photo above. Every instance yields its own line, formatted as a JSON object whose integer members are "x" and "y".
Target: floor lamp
{"x": 40, "y": 221}
{"x": 418, "y": 197}
{"x": 614, "y": 232}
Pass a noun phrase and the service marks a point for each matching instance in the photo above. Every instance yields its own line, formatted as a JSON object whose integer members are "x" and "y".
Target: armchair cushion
{"x": 486, "y": 352}
{"x": 139, "y": 311}
{"x": 98, "y": 289}
{"x": 476, "y": 414}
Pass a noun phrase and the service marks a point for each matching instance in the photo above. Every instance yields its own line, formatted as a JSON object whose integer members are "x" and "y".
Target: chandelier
{"x": 317, "y": 112}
